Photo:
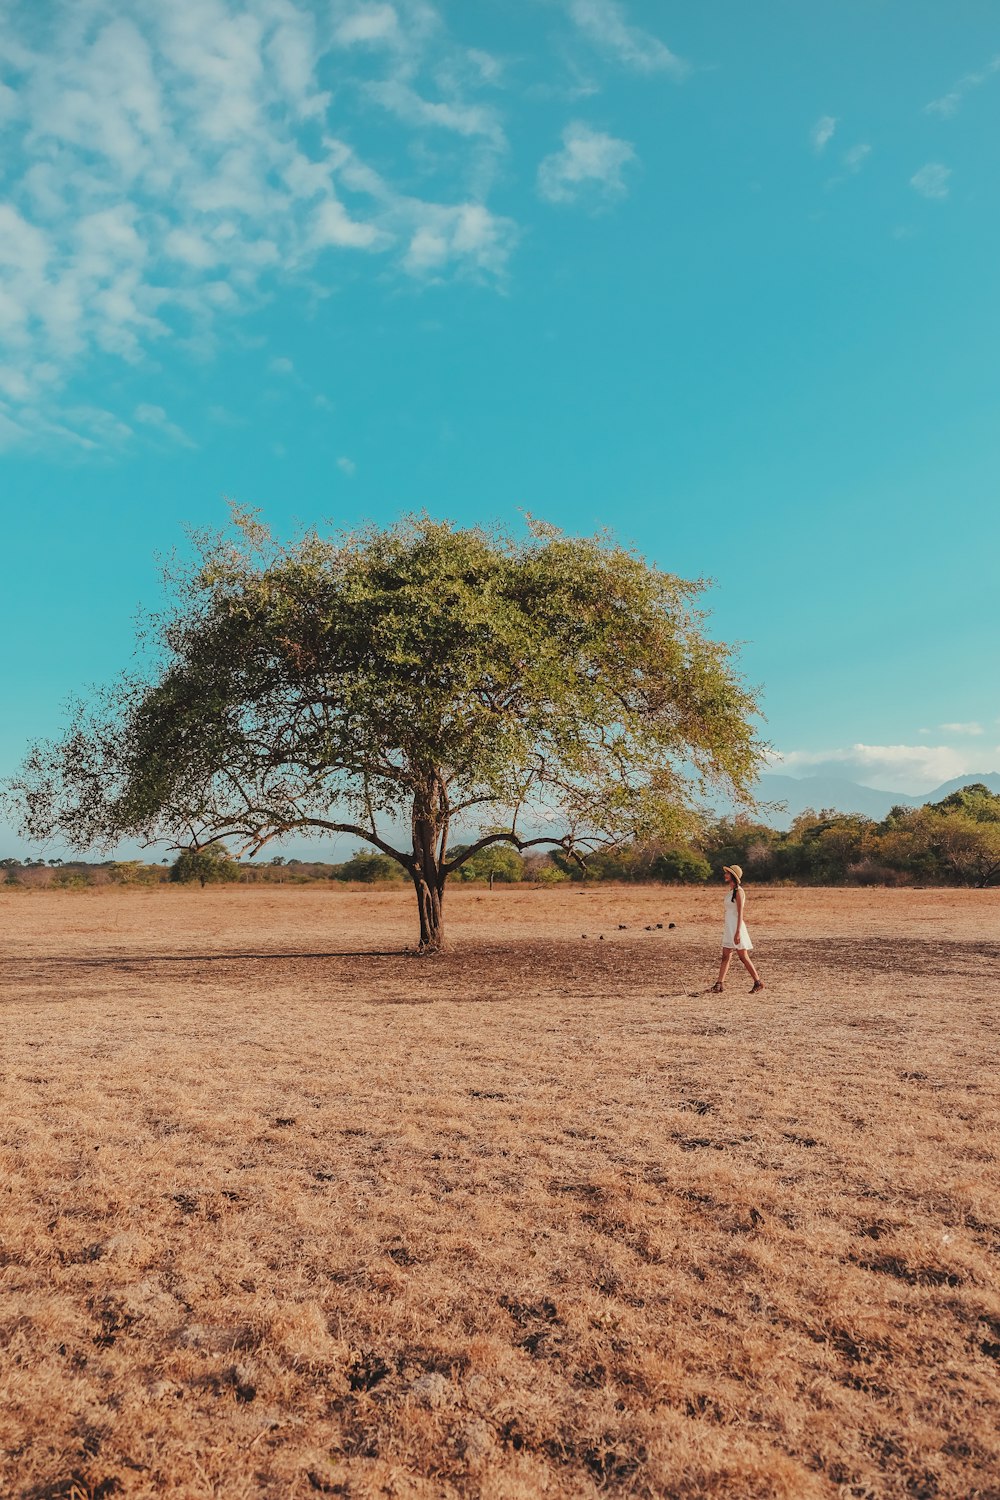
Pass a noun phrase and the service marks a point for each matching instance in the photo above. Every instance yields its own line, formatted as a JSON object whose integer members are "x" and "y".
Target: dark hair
{"x": 736, "y": 886}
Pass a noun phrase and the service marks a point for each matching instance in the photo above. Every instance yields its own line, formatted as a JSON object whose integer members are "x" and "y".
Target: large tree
{"x": 544, "y": 691}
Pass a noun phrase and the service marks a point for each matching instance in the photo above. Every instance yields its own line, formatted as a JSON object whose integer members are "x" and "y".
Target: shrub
{"x": 369, "y": 868}
{"x": 212, "y": 862}
{"x": 500, "y": 862}
{"x": 681, "y": 867}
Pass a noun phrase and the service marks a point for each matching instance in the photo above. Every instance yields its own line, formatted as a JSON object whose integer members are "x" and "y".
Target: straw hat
{"x": 735, "y": 870}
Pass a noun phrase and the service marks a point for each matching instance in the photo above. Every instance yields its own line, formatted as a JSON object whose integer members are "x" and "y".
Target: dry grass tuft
{"x": 288, "y": 1213}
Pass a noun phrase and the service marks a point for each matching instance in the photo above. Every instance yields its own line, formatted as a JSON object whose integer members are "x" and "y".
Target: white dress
{"x": 729, "y": 930}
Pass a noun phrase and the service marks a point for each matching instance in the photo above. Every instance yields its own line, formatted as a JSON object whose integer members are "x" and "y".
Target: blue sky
{"x": 721, "y": 277}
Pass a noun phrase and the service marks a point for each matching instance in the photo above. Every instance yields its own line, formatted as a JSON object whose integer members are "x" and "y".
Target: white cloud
{"x": 950, "y": 103}
{"x": 852, "y": 162}
{"x": 855, "y": 159}
{"x": 14, "y": 384}
{"x": 158, "y": 175}
{"x": 154, "y": 416}
{"x": 8, "y": 103}
{"x": 467, "y": 235}
{"x": 932, "y": 180}
{"x": 104, "y": 428}
{"x": 367, "y": 24}
{"x": 12, "y": 434}
{"x": 347, "y": 466}
{"x": 488, "y": 68}
{"x": 291, "y": 51}
{"x": 281, "y": 365}
{"x": 224, "y": 417}
{"x": 970, "y": 727}
{"x": 946, "y": 106}
{"x": 191, "y": 249}
{"x": 462, "y": 119}
{"x": 822, "y": 132}
{"x": 333, "y": 226}
{"x": 604, "y": 24}
{"x": 400, "y": 31}
{"x": 897, "y": 768}
{"x": 590, "y": 164}
{"x": 81, "y": 428}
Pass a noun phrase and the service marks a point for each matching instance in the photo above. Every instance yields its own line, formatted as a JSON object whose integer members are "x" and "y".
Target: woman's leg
{"x": 748, "y": 964}
{"x": 727, "y": 955}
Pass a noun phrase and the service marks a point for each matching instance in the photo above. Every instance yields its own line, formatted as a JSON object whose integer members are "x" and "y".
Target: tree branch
{"x": 567, "y": 842}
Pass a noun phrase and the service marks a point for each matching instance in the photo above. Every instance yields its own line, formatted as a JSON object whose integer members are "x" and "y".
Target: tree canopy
{"x": 209, "y": 864}
{"x": 540, "y": 691}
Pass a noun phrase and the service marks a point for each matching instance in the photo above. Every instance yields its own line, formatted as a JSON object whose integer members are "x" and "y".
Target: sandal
{"x": 718, "y": 988}
{"x": 758, "y": 985}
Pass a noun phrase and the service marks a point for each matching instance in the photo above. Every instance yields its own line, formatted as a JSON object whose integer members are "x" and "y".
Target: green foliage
{"x": 369, "y": 868}
{"x": 681, "y": 867}
{"x": 974, "y": 801}
{"x": 741, "y": 841}
{"x": 133, "y": 872}
{"x": 497, "y": 862}
{"x": 636, "y": 863}
{"x": 952, "y": 842}
{"x": 420, "y": 673}
{"x": 210, "y": 863}
{"x": 962, "y": 841}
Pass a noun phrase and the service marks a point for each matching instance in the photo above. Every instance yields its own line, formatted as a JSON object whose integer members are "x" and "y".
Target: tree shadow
{"x": 147, "y": 960}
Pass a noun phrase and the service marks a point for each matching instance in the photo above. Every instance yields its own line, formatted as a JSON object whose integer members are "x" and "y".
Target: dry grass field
{"x": 287, "y": 1212}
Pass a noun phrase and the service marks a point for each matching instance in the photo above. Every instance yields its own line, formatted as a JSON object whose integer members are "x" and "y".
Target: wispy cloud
{"x": 899, "y": 768}
{"x": 932, "y": 180}
{"x": 165, "y": 165}
{"x": 590, "y": 165}
{"x": 969, "y": 727}
{"x": 950, "y": 103}
{"x": 822, "y": 132}
{"x": 606, "y": 26}
{"x": 347, "y": 466}
{"x": 367, "y": 25}
{"x": 852, "y": 162}
{"x": 223, "y": 417}
{"x": 155, "y": 416}
{"x": 462, "y": 119}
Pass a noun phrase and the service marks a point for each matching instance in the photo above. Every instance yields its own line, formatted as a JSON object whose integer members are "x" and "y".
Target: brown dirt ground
{"x": 287, "y": 1212}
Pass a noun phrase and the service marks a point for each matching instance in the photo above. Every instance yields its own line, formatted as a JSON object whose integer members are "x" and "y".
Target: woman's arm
{"x": 739, "y": 915}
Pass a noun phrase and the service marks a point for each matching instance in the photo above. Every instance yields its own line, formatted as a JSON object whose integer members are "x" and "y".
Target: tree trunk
{"x": 429, "y": 837}
{"x": 430, "y": 901}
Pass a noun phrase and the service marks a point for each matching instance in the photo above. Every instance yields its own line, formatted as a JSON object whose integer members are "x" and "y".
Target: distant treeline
{"x": 952, "y": 842}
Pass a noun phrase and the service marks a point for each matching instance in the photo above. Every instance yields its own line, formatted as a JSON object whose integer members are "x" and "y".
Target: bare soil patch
{"x": 289, "y": 1212}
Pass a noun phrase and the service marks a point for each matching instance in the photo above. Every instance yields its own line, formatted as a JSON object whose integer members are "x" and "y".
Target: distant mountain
{"x": 802, "y": 792}
{"x": 989, "y": 779}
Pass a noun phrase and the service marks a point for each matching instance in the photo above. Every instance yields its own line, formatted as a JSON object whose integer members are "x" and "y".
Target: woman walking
{"x": 735, "y": 934}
